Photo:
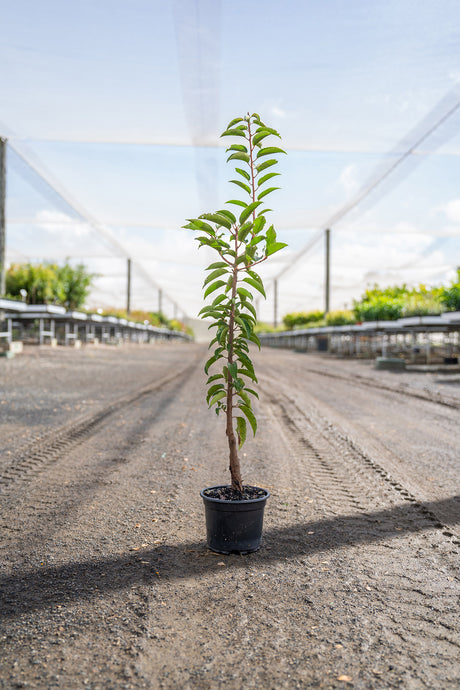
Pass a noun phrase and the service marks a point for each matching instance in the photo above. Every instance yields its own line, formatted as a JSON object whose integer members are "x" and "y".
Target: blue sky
{"x": 120, "y": 104}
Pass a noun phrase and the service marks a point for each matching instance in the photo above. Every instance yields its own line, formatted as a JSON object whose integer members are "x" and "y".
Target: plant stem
{"x": 235, "y": 470}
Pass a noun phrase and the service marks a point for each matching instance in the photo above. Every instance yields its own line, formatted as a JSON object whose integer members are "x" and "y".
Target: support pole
{"x": 275, "y": 314}
{"x": 327, "y": 285}
{"x": 2, "y": 213}
{"x": 128, "y": 287}
{"x": 160, "y": 301}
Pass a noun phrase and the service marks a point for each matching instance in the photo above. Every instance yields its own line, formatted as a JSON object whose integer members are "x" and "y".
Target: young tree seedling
{"x": 242, "y": 239}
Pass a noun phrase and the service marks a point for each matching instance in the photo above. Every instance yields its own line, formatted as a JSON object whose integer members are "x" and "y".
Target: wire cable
{"x": 442, "y": 112}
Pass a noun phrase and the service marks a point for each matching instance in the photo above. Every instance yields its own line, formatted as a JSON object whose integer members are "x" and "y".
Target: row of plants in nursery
{"x": 380, "y": 304}
{"x": 69, "y": 287}
{"x": 154, "y": 318}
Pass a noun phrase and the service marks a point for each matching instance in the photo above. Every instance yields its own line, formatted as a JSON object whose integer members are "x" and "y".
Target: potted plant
{"x": 242, "y": 239}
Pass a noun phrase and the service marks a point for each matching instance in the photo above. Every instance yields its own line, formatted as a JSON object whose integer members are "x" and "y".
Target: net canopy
{"x": 112, "y": 111}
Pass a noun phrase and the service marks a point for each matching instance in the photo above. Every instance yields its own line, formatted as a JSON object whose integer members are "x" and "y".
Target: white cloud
{"x": 452, "y": 210}
{"x": 348, "y": 179}
{"x": 54, "y": 222}
{"x": 278, "y": 112}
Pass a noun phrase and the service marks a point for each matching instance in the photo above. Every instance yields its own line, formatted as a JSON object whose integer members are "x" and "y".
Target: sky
{"x": 113, "y": 109}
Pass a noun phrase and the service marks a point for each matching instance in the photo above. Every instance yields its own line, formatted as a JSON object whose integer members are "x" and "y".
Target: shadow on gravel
{"x": 51, "y": 586}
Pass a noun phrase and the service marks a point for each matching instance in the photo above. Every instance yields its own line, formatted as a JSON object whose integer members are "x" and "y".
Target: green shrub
{"x": 302, "y": 318}
{"x": 450, "y": 297}
{"x": 340, "y": 318}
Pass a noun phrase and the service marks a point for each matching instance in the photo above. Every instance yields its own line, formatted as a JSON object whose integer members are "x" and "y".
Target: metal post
{"x": 2, "y": 213}
{"x": 128, "y": 289}
{"x": 275, "y": 314}
{"x": 328, "y": 274}
{"x": 160, "y": 300}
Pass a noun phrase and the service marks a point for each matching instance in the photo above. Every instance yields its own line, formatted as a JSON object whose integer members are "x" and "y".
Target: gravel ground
{"x": 106, "y": 581}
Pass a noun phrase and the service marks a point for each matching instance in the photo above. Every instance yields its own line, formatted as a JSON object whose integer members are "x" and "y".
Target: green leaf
{"x": 205, "y": 309}
{"x": 259, "y": 135}
{"x": 241, "y": 346}
{"x": 267, "y": 191}
{"x": 268, "y": 129}
{"x": 217, "y": 219}
{"x": 245, "y": 398}
{"x": 217, "y": 396}
{"x": 213, "y": 390}
{"x": 243, "y": 185}
{"x": 255, "y": 275}
{"x": 275, "y": 247}
{"x": 218, "y": 300}
{"x": 267, "y": 177}
{"x": 256, "y": 284}
{"x": 237, "y": 147}
{"x": 222, "y": 335}
{"x": 252, "y": 309}
{"x": 244, "y": 230}
{"x": 244, "y": 173}
{"x": 249, "y": 390}
{"x": 241, "y": 429}
{"x": 246, "y": 361}
{"x": 233, "y": 133}
{"x": 196, "y": 224}
{"x": 217, "y": 264}
{"x": 213, "y": 286}
{"x": 259, "y": 224}
{"x": 240, "y": 321}
{"x": 214, "y": 315}
{"x": 237, "y": 202}
{"x": 255, "y": 340}
{"x": 215, "y": 274}
{"x": 249, "y": 374}
{"x": 250, "y": 417}
{"x": 234, "y": 122}
{"x": 216, "y": 356}
{"x": 233, "y": 370}
{"x": 266, "y": 164}
{"x": 214, "y": 378}
{"x": 248, "y": 210}
{"x": 269, "y": 151}
{"x": 227, "y": 214}
{"x": 270, "y": 235}
{"x": 239, "y": 155}
{"x": 244, "y": 293}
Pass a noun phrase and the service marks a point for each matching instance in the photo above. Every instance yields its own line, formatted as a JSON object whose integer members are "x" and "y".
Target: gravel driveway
{"x": 106, "y": 581}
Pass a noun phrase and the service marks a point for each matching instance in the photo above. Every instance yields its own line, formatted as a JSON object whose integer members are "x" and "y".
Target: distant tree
{"x": 450, "y": 296}
{"x": 74, "y": 285}
{"x": 48, "y": 283}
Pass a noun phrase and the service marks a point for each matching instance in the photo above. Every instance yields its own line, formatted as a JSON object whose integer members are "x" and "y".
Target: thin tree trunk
{"x": 235, "y": 471}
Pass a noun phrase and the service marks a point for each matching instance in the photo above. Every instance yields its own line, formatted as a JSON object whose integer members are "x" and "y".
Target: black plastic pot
{"x": 234, "y": 526}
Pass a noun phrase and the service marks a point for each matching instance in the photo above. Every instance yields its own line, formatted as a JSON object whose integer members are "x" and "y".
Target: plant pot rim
{"x": 236, "y": 502}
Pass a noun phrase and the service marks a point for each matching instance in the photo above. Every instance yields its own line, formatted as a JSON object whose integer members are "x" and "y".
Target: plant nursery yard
{"x": 106, "y": 581}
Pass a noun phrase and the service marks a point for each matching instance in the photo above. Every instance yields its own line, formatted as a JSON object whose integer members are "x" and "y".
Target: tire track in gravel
{"x": 51, "y": 446}
{"x": 357, "y": 478}
{"x": 411, "y": 447}
{"x": 346, "y": 483}
{"x": 33, "y": 487}
{"x": 326, "y": 596}
{"x": 435, "y": 397}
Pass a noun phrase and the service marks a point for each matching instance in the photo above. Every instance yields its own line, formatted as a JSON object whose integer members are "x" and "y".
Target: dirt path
{"x": 105, "y": 578}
